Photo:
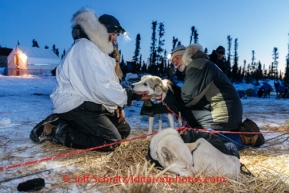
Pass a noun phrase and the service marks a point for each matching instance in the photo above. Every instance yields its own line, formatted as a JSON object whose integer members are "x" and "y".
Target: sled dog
{"x": 168, "y": 148}
{"x": 184, "y": 159}
{"x": 159, "y": 89}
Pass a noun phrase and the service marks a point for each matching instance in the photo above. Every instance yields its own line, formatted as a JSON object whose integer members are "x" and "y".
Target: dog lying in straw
{"x": 186, "y": 159}
{"x": 162, "y": 97}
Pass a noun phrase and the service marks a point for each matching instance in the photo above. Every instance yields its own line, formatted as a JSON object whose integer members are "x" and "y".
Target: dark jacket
{"x": 209, "y": 95}
{"x": 220, "y": 63}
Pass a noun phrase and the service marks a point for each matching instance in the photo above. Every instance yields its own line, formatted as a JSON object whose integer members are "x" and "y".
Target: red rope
{"x": 230, "y": 132}
{"x": 182, "y": 129}
{"x": 218, "y": 131}
{"x": 72, "y": 153}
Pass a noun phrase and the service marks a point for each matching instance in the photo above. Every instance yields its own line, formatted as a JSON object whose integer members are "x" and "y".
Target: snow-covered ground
{"x": 24, "y": 101}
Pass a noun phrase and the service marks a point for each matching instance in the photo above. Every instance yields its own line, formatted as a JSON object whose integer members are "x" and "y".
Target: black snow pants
{"x": 91, "y": 125}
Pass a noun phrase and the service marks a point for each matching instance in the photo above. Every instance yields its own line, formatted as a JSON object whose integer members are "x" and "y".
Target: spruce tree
{"x": 286, "y": 77}
{"x": 192, "y": 34}
{"x": 196, "y": 36}
{"x": 54, "y": 48}
{"x": 161, "y": 43}
{"x": 275, "y": 63}
{"x": 229, "y": 39}
{"x": 239, "y": 73}
{"x": 175, "y": 41}
{"x": 235, "y": 65}
{"x": 63, "y": 53}
{"x": 35, "y": 43}
{"x": 243, "y": 71}
{"x": 136, "y": 58}
{"x": 253, "y": 64}
{"x": 57, "y": 52}
{"x": 228, "y": 62}
{"x": 259, "y": 75}
{"x": 153, "y": 53}
{"x": 206, "y": 51}
{"x": 140, "y": 59}
{"x": 122, "y": 62}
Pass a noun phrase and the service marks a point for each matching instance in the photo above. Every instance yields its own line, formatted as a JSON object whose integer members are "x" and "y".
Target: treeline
{"x": 54, "y": 49}
{"x": 158, "y": 64}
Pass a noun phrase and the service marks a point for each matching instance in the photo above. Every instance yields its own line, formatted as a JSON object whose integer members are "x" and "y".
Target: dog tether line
{"x": 72, "y": 153}
{"x": 115, "y": 143}
{"x": 232, "y": 132}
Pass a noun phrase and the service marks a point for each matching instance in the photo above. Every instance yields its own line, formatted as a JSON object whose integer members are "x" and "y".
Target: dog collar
{"x": 159, "y": 99}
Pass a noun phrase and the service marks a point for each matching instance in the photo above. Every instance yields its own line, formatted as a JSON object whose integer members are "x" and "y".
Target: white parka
{"x": 86, "y": 73}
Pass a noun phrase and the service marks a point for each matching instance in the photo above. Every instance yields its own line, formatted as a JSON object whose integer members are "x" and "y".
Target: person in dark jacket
{"x": 209, "y": 100}
{"x": 210, "y": 95}
{"x": 217, "y": 57}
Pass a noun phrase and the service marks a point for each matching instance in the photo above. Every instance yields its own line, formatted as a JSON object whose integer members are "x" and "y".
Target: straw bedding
{"x": 268, "y": 165}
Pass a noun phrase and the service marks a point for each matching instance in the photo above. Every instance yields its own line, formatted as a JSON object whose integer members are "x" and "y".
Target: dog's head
{"x": 152, "y": 84}
{"x": 171, "y": 152}
{"x": 178, "y": 160}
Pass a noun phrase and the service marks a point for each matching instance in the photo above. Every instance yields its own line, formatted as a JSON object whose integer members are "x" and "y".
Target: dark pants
{"x": 192, "y": 115}
{"x": 202, "y": 118}
{"x": 91, "y": 126}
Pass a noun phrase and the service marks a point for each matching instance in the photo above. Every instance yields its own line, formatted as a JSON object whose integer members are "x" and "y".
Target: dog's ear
{"x": 167, "y": 84}
{"x": 162, "y": 86}
{"x": 193, "y": 146}
{"x": 167, "y": 154}
{"x": 159, "y": 88}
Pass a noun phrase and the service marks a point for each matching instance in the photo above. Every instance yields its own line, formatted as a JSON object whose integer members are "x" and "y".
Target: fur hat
{"x": 189, "y": 52}
{"x": 111, "y": 23}
{"x": 179, "y": 50}
{"x": 87, "y": 20}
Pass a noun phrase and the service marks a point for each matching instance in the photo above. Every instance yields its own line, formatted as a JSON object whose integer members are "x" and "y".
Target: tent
{"x": 31, "y": 60}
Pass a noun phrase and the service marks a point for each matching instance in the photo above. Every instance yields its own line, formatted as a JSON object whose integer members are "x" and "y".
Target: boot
{"x": 61, "y": 134}
{"x": 42, "y": 131}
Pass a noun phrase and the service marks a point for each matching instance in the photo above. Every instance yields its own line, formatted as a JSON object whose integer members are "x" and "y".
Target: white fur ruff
{"x": 96, "y": 31}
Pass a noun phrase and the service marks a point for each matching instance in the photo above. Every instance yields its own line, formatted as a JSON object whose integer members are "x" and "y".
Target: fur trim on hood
{"x": 96, "y": 31}
{"x": 189, "y": 52}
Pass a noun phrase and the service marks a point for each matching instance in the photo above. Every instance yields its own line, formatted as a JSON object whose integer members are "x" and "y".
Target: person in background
{"x": 217, "y": 57}
{"x": 208, "y": 98}
{"x": 88, "y": 100}
{"x": 171, "y": 72}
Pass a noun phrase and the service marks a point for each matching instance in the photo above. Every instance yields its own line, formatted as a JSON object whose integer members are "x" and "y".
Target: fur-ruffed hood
{"x": 97, "y": 32}
{"x": 192, "y": 52}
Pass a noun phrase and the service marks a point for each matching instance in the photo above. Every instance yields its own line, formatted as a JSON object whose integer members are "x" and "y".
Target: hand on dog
{"x": 144, "y": 94}
{"x": 120, "y": 114}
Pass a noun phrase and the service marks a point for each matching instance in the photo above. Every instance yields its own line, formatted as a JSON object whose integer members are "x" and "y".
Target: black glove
{"x": 129, "y": 94}
{"x": 31, "y": 185}
{"x": 132, "y": 96}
